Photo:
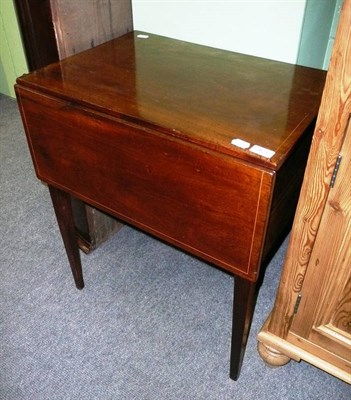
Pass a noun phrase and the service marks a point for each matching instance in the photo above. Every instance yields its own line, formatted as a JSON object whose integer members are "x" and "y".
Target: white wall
{"x": 265, "y": 28}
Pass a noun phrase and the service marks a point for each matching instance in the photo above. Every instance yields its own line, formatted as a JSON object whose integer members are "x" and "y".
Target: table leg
{"x": 63, "y": 210}
{"x": 244, "y": 303}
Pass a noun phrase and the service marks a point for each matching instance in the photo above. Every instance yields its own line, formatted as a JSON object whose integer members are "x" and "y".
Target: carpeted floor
{"x": 151, "y": 323}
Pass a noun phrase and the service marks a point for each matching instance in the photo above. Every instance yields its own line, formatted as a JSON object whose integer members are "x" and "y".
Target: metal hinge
{"x": 336, "y": 169}
{"x": 298, "y": 300}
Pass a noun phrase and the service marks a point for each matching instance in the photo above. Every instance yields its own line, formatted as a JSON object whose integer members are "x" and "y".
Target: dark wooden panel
{"x": 37, "y": 30}
{"x": 286, "y": 193}
{"x": 81, "y": 25}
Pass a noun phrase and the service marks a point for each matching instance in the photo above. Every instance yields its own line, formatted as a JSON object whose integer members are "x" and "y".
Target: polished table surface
{"x": 201, "y": 147}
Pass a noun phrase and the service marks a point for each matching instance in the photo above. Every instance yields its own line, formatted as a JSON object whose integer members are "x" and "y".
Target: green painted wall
{"x": 12, "y": 59}
{"x": 318, "y": 32}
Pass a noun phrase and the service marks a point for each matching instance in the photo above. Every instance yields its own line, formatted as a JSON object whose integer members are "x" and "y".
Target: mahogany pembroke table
{"x": 202, "y": 148}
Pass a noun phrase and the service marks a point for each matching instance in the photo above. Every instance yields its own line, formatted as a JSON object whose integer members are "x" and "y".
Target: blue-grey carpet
{"x": 152, "y": 322}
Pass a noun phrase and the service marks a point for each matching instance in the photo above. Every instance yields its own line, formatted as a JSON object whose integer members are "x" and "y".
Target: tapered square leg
{"x": 245, "y": 293}
{"x": 63, "y": 210}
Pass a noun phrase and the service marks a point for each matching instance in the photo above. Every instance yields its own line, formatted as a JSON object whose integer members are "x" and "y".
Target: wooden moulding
{"x": 277, "y": 352}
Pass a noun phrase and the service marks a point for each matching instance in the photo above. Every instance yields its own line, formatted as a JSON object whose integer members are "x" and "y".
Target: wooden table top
{"x": 201, "y": 94}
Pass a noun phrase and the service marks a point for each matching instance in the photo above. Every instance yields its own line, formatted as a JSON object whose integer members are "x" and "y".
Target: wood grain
{"x": 326, "y": 297}
{"x": 317, "y": 266}
{"x": 327, "y": 141}
{"x": 79, "y": 27}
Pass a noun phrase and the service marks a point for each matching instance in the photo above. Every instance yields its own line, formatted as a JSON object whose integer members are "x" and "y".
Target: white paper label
{"x": 240, "y": 143}
{"x": 261, "y": 151}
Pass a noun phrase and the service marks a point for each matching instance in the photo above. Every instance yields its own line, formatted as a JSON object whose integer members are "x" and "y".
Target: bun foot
{"x": 272, "y": 357}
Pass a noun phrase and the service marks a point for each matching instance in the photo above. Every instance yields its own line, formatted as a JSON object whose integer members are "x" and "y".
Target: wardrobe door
{"x": 322, "y": 324}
